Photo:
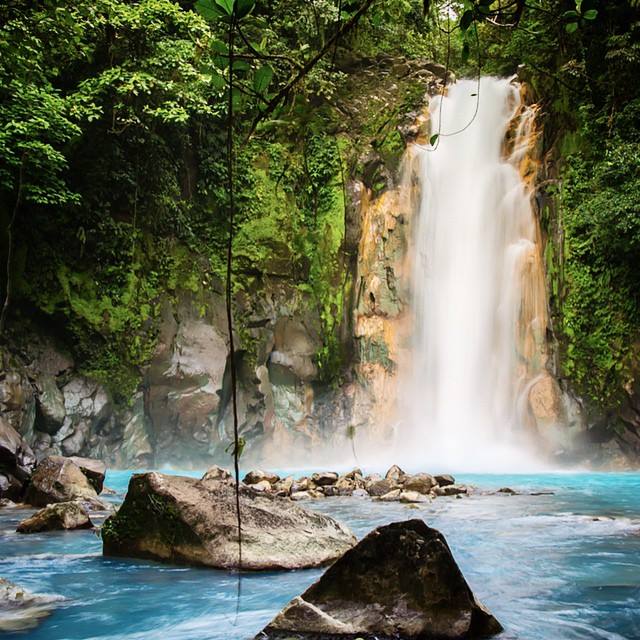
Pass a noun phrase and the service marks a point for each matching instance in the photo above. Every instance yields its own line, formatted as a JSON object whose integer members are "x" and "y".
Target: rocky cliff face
{"x": 180, "y": 413}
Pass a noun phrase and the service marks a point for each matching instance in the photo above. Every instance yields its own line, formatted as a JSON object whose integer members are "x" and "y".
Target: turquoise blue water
{"x": 552, "y": 567}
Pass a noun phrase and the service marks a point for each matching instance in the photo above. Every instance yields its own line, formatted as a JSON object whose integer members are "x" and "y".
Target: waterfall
{"x": 478, "y": 286}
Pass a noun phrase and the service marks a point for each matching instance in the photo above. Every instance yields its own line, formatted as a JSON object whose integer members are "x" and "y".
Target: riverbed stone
{"x": 324, "y": 478}
{"x": 258, "y": 475}
{"x": 400, "y": 581}
{"x": 451, "y": 490}
{"x": 21, "y": 610}
{"x": 391, "y": 496}
{"x": 444, "y": 479}
{"x": 185, "y": 520}
{"x": 395, "y": 474}
{"x": 217, "y": 474}
{"x": 63, "y": 515}
{"x": 58, "y": 479}
{"x": 411, "y": 497}
{"x": 420, "y": 482}
{"x": 380, "y": 487}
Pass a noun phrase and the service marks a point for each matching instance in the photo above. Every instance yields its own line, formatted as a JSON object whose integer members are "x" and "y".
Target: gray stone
{"x": 16, "y": 457}
{"x": 63, "y": 515}
{"x": 400, "y": 581}
{"x": 178, "y": 519}
{"x": 51, "y": 411}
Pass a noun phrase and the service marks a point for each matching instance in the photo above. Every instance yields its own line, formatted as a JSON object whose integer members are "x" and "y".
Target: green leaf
{"x": 244, "y": 7}
{"x": 572, "y": 27}
{"x": 434, "y": 139}
{"x": 591, "y": 14}
{"x": 262, "y": 78}
{"x": 466, "y": 20}
{"x": 226, "y": 6}
{"x": 570, "y": 14}
{"x": 209, "y": 10}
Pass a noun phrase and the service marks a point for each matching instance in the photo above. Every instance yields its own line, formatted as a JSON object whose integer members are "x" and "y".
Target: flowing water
{"x": 551, "y": 567}
{"x": 478, "y": 284}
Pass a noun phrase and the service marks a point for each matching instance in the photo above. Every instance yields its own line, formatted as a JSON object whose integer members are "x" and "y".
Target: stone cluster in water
{"x": 395, "y": 486}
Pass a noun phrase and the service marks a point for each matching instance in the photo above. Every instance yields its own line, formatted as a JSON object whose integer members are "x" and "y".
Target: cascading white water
{"x": 477, "y": 291}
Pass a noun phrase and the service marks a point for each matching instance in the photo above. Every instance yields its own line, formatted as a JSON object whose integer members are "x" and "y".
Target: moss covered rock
{"x": 185, "y": 520}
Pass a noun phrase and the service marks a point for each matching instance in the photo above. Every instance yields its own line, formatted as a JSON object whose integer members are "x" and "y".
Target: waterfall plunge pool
{"x": 550, "y": 567}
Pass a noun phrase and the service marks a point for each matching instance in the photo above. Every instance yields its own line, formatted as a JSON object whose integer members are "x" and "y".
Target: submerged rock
{"x": 179, "y": 519}
{"x": 58, "y": 479}
{"x": 400, "y": 581}
{"x": 63, "y": 515}
{"x": 20, "y": 609}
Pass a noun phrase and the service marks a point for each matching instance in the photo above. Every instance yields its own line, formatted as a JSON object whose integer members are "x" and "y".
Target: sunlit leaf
{"x": 209, "y": 9}
{"x": 571, "y": 27}
{"x": 591, "y": 14}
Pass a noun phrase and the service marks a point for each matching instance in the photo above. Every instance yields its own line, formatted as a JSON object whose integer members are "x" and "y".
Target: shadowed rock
{"x": 399, "y": 582}
{"x": 64, "y": 515}
{"x": 95, "y": 470}
{"x": 186, "y": 520}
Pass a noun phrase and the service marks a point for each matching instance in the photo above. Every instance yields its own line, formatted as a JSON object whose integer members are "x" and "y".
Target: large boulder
{"x": 20, "y": 609}
{"x": 58, "y": 479}
{"x": 95, "y": 470}
{"x": 64, "y": 515}
{"x": 16, "y": 457}
{"x": 400, "y": 581}
{"x": 179, "y": 519}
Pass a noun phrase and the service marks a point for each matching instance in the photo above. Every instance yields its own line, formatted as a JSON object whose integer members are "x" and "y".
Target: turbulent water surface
{"x": 552, "y": 567}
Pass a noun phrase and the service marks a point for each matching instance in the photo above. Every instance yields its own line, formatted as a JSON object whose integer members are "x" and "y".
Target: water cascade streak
{"x": 478, "y": 285}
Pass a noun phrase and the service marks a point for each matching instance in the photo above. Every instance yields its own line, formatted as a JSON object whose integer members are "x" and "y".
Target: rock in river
{"x": 58, "y": 479}
{"x": 63, "y": 515}
{"x": 400, "y": 581}
{"x": 179, "y": 519}
{"x": 20, "y": 609}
